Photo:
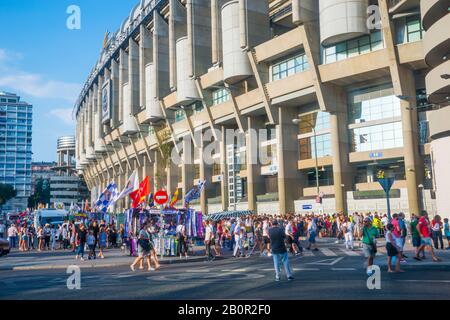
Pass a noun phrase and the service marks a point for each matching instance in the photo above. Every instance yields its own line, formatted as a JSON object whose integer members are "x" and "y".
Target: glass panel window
{"x": 289, "y": 67}
{"x": 308, "y": 145}
{"x": 320, "y": 120}
{"x": 220, "y": 96}
{"x": 414, "y": 30}
{"x": 354, "y": 47}
{"x": 384, "y": 136}
{"x": 180, "y": 115}
{"x": 373, "y": 104}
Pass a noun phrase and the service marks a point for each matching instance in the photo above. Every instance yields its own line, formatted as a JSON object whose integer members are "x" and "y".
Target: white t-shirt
{"x": 180, "y": 229}
{"x": 208, "y": 233}
{"x": 265, "y": 229}
{"x": 288, "y": 230}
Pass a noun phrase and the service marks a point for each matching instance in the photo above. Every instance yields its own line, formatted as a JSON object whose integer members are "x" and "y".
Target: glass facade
{"x": 290, "y": 66}
{"x": 320, "y": 120}
{"x": 308, "y": 147}
{"x": 220, "y": 96}
{"x": 354, "y": 47}
{"x": 15, "y": 148}
{"x": 367, "y": 108}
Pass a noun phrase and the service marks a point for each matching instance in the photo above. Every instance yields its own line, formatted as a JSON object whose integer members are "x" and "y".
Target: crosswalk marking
{"x": 308, "y": 253}
{"x": 327, "y": 252}
{"x": 349, "y": 252}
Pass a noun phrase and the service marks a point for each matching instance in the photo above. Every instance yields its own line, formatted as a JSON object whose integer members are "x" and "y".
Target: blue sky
{"x": 47, "y": 64}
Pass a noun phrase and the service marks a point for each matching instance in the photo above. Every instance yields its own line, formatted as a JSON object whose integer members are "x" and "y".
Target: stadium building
{"x": 345, "y": 91}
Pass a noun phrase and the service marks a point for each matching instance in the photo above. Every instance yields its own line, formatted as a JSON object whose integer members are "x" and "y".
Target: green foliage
{"x": 41, "y": 193}
{"x": 7, "y": 192}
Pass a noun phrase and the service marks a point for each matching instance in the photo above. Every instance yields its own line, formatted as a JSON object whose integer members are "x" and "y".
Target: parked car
{"x": 4, "y": 247}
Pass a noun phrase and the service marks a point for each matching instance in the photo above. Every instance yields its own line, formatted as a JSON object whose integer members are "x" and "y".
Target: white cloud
{"x": 63, "y": 114}
{"x": 31, "y": 84}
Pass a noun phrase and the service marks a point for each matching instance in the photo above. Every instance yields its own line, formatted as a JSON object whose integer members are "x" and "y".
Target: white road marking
{"x": 327, "y": 252}
{"x": 234, "y": 270}
{"x": 343, "y": 269}
{"x": 429, "y": 281}
{"x": 307, "y": 253}
{"x": 294, "y": 269}
{"x": 349, "y": 252}
{"x": 197, "y": 270}
{"x": 327, "y": 262}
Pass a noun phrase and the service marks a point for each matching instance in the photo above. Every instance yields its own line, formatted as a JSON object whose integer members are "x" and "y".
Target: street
{"x": 331, "y": 273}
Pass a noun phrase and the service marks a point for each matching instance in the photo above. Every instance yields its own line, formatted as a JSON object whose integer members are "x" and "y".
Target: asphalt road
{"x": 338, "y": 276}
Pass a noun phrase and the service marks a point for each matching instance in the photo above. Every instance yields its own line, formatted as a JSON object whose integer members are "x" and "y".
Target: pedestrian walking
{"x": 91, "y": 245}
{"x": 81, "y": 237}
{"x": 348, "y": 234}
{"x": 392, "y": 249}
{"x": 47, "y": 236}
{"x": 31, "y": 236}
{"x": 423, "y": 227}
{"x": 209, "y": 238}
{"x": 415, "y": 236}
{"x": 436, "y": 228}
{"x": 144, "y": 248}
{"x": 12, "y": 235}
{"x": 370, "y": 233}
{"x": 182, "y": 238}
{"x": 102, "y": 242}
{"x": 279, "y": 253}
{"x": 447, "y": 232}
{"x": 312, "y": 233}
{"x": 2, "y": 230}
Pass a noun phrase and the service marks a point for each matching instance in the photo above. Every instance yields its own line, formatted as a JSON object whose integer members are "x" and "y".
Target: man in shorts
{"x": 416, "y": 242}
{"x": 423, "y": 227}
{"x": 370, "y": 233}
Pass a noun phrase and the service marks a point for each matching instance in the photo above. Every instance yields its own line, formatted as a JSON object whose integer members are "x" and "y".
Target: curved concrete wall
{"x": 440, "y": 152}
{"x": 341, "y": 20}
{"x": 437, "y": 42}
{"x": 66, "y": 142}
{"x": 153, "y": 109}
{"x": 236, "y": 65}
{"x": 432, "y": 11}
{"x": 437, "y": 87}
{"x": 129, "y": 123}
{"x": 186, "y": 88}
{"x": 304, "y": 11}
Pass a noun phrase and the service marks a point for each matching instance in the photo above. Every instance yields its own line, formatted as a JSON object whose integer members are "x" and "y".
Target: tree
{"x": 165, "y": 147}
{"x": 7, "y": 192}
{"x": 41, "y": 193}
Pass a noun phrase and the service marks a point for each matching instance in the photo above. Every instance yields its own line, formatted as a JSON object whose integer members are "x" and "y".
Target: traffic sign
{"x": 161, "y": 197}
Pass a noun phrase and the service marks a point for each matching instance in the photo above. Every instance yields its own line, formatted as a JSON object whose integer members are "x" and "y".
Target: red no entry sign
{"x": 161, "y": 197}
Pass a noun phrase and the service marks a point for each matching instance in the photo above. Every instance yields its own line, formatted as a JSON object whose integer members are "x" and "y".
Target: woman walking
{"x": 102, "y": 242}
{"x": 144, "y": 248}
{"x": 40, "y": 236}
{"x": 81, "y": 238}
{"x": 392, "y": 250}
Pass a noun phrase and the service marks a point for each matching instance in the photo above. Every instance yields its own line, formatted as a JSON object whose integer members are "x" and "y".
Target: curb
{"x": 109, "y": 265}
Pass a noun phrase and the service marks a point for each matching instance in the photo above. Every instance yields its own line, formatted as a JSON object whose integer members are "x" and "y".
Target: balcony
{"x": 437, "y": 42}
{"x": 432, "y": 11}
{"x": 398, "y": 6}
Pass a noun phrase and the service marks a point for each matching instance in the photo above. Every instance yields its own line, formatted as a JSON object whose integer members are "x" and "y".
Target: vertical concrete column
{"x": 158, "y": 171}
{"x": 287, "y": 149}
{"x": 133, "y": 76}
{"x": 342, "y": 172}
{"x": 224, "y": 169}
{"x": 216, "y": 32}
{"x": 107, "y": 126}
{"x": 115, "y": 94}
{"x": 205, "y": 174}
{"x": 172, "y": 177}
{"x": 255, "y": 182}
{"x": 123, "y": 78}
{"x": 145, "y": 57}
{"x": 187, "y": 169}
{"x": 414, "y": 170}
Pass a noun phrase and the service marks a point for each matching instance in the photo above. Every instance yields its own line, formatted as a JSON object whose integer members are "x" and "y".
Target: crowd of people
{"x": 71, "y": 235}
{"x": 244, "y": 236}
{"x": 248, "y": 235}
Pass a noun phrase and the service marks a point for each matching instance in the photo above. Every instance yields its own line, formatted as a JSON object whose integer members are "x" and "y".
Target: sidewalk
{"x": 47, "y": 260}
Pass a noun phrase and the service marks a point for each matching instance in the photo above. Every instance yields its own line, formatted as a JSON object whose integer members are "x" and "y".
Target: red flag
{"x": 139, "y": 196}
{"x": 86, "y": 206}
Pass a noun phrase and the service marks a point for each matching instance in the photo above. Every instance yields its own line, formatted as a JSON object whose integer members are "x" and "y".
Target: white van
{"x": 50, "y": 216}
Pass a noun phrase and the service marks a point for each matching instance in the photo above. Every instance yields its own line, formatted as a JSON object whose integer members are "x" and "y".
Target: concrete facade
{"x": 258, "y": 65}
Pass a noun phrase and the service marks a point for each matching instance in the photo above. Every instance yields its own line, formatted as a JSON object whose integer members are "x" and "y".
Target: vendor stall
{"x": 168, "y": 220}
{"x": 227, "y": 215}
